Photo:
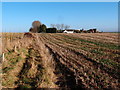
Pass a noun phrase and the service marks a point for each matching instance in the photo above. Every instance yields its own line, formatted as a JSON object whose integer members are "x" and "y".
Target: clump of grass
{"x": 25, "y": 86}
{"x": 10, "y": 52}
{"x": 9, "y": 81}
{"x": 27, "y": 80}
{"x": 6, "y": 69}
{"x": 105, "y": 61}
{"x": 97, "y": 52}
{"x": 0, "y": 55}
{"x": 12, "y": 59}
{"x": 110, "y": 63}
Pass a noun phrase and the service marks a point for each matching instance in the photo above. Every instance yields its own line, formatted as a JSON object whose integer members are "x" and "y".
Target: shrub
{"x": 51, "y": 30}
{"x": 42, "y": 28}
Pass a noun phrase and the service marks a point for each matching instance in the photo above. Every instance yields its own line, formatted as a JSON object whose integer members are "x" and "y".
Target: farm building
{"x": 68, "y": 31}
{"x": 92, "y": 31}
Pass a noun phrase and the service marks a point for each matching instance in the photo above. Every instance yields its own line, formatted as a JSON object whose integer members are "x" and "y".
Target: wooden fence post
{"x": 3, "y": 57}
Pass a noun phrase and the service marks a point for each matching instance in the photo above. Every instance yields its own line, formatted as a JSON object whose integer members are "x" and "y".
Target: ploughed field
{"x": 85, "y": 60}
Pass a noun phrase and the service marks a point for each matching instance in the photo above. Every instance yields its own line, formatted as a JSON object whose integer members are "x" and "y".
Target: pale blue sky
{"x": 60, "y": 0}
{"x": 17, "y": 17}
{"x": 0, "y": 17}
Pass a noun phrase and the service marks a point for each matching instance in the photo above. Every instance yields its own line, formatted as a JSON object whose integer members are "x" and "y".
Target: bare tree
{"x": 62, "y": 26}
{"x": 67, "y": 26}
{"x": 58, "y": 26}
{"x": 52, "y": 25}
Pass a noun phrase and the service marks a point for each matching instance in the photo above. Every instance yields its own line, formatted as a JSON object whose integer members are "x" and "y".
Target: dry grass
{"x": 61, "y": 60}
{"x": 33, "y": 54}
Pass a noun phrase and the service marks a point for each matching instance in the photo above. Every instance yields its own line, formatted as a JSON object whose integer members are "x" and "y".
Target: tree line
{"x": 38, "y": 27}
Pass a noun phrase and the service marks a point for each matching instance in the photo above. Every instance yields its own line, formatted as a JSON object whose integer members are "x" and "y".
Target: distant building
{"x": 80, "y": 31}
{"x": 68, "y": 31}
{"x": 92, "y": 31}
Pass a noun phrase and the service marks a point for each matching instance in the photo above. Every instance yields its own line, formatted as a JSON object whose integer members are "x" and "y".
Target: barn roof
{"x": 70, "y": 29}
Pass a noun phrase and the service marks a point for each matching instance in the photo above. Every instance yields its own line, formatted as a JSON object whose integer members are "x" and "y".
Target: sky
{"x": 0, "y": 17}
{"x": 60, "y": 0}
{"x": 18, "y": 16}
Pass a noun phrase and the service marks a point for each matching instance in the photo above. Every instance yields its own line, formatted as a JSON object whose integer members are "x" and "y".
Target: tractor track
{"x": 70, "y": 81}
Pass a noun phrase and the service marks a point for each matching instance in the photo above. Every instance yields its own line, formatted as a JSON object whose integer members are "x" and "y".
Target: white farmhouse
{"x": 68, "y": 31}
